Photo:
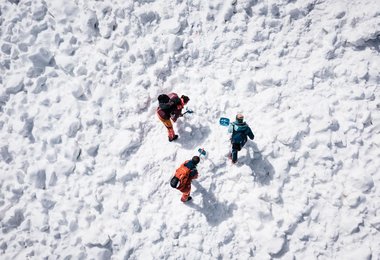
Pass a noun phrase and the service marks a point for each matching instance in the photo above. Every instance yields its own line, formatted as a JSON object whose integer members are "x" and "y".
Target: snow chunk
{"x": 93, "y": 150}
{"x": 73, "y": 128}
{"x": 149, "y": 56}
{"x": 354, "y": 199}
{"x": 275, "y": 245}
{"x": 228, "y": 10}
{"x": 14, "y": 84}
{"x": 93, "y": 238}
{"x": 72, "y": 151}
{"x": 40, "y": 85}
{"x": 39, "y": 12}
{"x": 106, "y": 27}
{"x": 170, "y": 26}
{"x": 37, "y": 177}
{"x": 123, "y": 44}
{"x": 375, "y": 222}
{"x": 124, "y": 143}
{"x": 361, "y": 33}
{"x": 6, "y": 48}
{"x": 64, "y": 168}
{"x": 148, "y": 17}
{"x": 358, "y": 252}
{"x": 5, "y": 155}
{"x": 100, "y": 253}
{"x": 41, "y": 58}
{"x": 89, "y": 24}
{"x": 48, "y": 203}
{"x": 107, "y": 177}
{"x": 350, "y": 224}
{"x": 12, "y": 219}
{"x": 65, "y": 62}
{"x": 359, "y": 180}
{"x": 174, "y": 43}
{"x": 80, "y": 71}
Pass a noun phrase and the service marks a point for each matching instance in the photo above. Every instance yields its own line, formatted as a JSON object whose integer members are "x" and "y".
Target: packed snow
{"x": 85, "y": 163}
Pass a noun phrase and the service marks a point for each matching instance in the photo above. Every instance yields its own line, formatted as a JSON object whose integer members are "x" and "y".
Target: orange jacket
{"x": 186, "y": 173}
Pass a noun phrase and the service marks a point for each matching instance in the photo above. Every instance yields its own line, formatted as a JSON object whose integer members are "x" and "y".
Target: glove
{"x": 173, "y": 117}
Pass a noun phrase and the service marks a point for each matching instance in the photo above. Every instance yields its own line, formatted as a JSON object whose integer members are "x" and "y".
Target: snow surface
{"x": 85, "y": 163}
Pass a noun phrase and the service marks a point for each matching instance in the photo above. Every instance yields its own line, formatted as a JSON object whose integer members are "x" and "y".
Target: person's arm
{"x": 250, "y": 134}
{"x": 231, "y": 128}
{"x": 175, "y": 114}
{"x": 194, "y": 174}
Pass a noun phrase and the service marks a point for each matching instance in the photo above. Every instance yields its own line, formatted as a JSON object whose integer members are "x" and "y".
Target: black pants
{"x": 235, "y": 149}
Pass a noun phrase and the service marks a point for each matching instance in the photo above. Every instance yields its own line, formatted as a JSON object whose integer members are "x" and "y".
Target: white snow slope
{"x": 85, "y": 163}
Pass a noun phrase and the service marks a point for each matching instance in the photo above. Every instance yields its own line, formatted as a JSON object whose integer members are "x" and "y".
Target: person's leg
{"x": 234, "y": 154}
{"x": 172, "y": 136}
{"x": 168, "y": 124}
{"x": 186, "y": 194}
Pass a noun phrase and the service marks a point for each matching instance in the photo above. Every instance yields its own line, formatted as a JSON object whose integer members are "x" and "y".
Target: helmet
{"x": 185, "y": 99}
{"x": 195, "y": 159}
{"x": 240, "y": 118}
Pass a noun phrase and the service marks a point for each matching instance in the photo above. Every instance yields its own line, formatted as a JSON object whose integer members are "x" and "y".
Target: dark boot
{"x": 188, "y": 198}
{"x": 175, "y": 137}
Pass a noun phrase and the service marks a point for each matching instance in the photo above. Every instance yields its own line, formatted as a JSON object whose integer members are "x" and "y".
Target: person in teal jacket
{"x": 240, "y": 131}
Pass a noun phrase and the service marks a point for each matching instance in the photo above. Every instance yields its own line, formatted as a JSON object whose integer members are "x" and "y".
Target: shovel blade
{"x": 202, "y": 151}
{"x": 224, "y": 121}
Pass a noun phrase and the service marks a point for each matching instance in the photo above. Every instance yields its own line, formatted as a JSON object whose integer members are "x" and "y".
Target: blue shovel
{"x": 202, "y": 152}
{"x": 224, "y": 121}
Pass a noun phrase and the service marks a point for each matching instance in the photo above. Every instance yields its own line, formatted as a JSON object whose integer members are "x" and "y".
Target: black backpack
{"x": 174, "y": 182}
{"x": 176, "y": 100}
{"x": 164, "y": 102}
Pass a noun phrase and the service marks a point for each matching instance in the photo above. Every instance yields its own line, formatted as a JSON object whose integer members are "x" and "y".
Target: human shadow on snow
{"x": 262, "y": 169}
{"x": 194, "y": 138}
{"x": 215, "y": 212}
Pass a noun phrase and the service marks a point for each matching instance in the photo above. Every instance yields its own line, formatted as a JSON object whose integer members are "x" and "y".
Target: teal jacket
{"x": 240, "y": 131}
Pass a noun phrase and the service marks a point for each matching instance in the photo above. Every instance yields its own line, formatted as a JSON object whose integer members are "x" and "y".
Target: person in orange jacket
{"x": 184, "y": 176}
{"x": 170, "y": 109}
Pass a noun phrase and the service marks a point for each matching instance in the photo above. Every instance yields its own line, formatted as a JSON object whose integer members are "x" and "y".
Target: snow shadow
{"x": 262, "y": 169}
{"x": 215, "y": 212}
{"x": 190, "y": 136}
{"x": 373, "y": 44}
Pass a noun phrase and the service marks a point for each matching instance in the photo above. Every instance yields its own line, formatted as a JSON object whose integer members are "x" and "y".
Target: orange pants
{"x": 168, "y": 124}
{"x": 185, "y": 192}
